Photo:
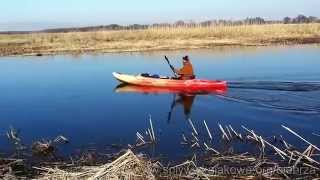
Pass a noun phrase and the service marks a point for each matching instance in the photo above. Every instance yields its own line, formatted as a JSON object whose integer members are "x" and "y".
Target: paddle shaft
{"x": 171, "y": 107}
{"x": 171, "y": 67}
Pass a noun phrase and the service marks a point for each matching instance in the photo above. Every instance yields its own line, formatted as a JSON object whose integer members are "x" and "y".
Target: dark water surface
{"x": 75, "y": 96}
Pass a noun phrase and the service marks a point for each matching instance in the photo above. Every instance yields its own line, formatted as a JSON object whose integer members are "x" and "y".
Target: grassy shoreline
{"x": 154, "y": 39}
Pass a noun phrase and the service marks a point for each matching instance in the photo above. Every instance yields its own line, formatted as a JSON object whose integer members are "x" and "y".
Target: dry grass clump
{"x": 10, "y": 168}
{"x": 127, "y": 166}
{"x": 159, "y": 38}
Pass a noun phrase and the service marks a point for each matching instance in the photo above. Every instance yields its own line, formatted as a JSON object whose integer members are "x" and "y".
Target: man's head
{"x": 185, "y": 59}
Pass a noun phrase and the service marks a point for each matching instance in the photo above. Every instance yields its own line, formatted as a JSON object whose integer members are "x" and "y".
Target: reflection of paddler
{"x": 184, "y": 99}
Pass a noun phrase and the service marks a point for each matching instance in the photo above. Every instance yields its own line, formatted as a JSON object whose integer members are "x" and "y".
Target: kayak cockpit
{"x": 147, "y": 75}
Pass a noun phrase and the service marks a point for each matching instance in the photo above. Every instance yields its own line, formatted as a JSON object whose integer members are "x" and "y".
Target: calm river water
{"x": 76, "y": 96}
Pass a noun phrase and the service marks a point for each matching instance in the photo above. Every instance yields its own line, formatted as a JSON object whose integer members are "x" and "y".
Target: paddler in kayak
{"x": 186, "y": 72}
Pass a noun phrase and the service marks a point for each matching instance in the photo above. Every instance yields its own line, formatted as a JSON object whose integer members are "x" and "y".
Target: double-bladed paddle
{"x": 171, "y": 67}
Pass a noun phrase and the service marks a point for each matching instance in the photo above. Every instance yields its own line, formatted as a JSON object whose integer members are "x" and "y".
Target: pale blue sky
{"x": 39, "y": 14}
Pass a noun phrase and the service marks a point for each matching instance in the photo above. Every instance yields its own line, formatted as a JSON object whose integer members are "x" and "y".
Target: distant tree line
{"x": 180, "y": 23}
{"x": 300, "y": 19}
{"x": 98, "y": 28}
{"x": 248, "y": 21}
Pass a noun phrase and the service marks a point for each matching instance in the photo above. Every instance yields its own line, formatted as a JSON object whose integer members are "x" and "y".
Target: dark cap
{"x": 186, "y": 58}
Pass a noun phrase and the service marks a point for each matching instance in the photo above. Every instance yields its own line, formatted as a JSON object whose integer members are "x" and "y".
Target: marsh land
{"x": 158, "y": 38}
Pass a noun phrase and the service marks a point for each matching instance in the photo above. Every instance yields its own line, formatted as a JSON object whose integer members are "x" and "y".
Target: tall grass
{"x": 162, "y": 37}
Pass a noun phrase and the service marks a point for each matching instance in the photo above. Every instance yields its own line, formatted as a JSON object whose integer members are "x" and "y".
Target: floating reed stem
{"x": 150, "y": 134}
{"x": 140, "y": 137}
{"x": 223, "y": 132}
{"x": 152, "y": 131}
{"x": 230, "y": 135}
{"x": 193, "y": 128}
{"x": 195, "y": 137}
{"x": 209, "y": 133}
{"x": 280, "y": 152}
{"x": 235, "y": 133}
{"x": 210, "y": 149}
{"x": 262, "y": 146}
{"x": 296, "y": 134}
{"x": 184, "y": 138}
{"x": 316, "y": 134}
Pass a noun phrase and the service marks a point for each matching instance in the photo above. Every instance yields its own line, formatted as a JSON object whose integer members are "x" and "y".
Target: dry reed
{"x": 158, "y": 38}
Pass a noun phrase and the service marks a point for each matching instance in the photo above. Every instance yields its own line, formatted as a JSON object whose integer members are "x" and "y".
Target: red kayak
{"x": 166, "y": 82}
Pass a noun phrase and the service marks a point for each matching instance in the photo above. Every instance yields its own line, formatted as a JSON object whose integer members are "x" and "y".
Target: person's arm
{"x": 177, "y": 71}
{"x": 181, "y": 71}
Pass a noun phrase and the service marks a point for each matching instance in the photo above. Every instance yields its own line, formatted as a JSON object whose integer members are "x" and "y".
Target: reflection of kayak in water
{"x": 183, "y": 97}
{"x": 127, "y": 88}
{"x": 166, "y": 82}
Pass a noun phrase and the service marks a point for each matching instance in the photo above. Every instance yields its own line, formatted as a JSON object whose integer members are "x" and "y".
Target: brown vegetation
{"x": 272, "y": 162}
{"x": 272, "y": 158}
{"x": 158, "y": 38}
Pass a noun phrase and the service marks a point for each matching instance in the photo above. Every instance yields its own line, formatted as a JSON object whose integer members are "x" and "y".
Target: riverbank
{"x": 161, "y": 38}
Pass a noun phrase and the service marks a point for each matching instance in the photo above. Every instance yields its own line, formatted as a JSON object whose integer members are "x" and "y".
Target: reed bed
{"x": 274, "y": 161}
{"x": 274, "y": 158}
{"x": 158, "y": 38}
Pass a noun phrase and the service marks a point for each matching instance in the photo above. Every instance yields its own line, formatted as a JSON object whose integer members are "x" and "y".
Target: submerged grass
{"x": 158, "y": 38}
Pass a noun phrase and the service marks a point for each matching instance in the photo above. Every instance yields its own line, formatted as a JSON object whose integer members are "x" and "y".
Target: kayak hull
{"x": 129, "y": 88}
{"x": 193, "y": 84}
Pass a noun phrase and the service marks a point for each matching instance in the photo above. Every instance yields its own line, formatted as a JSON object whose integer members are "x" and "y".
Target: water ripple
{"x": 276, "y": 85}
{"x": 294, "y": 97}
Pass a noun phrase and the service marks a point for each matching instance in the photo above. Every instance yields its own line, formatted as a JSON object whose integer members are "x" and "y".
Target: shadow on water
{"x": 296, "y": 97}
